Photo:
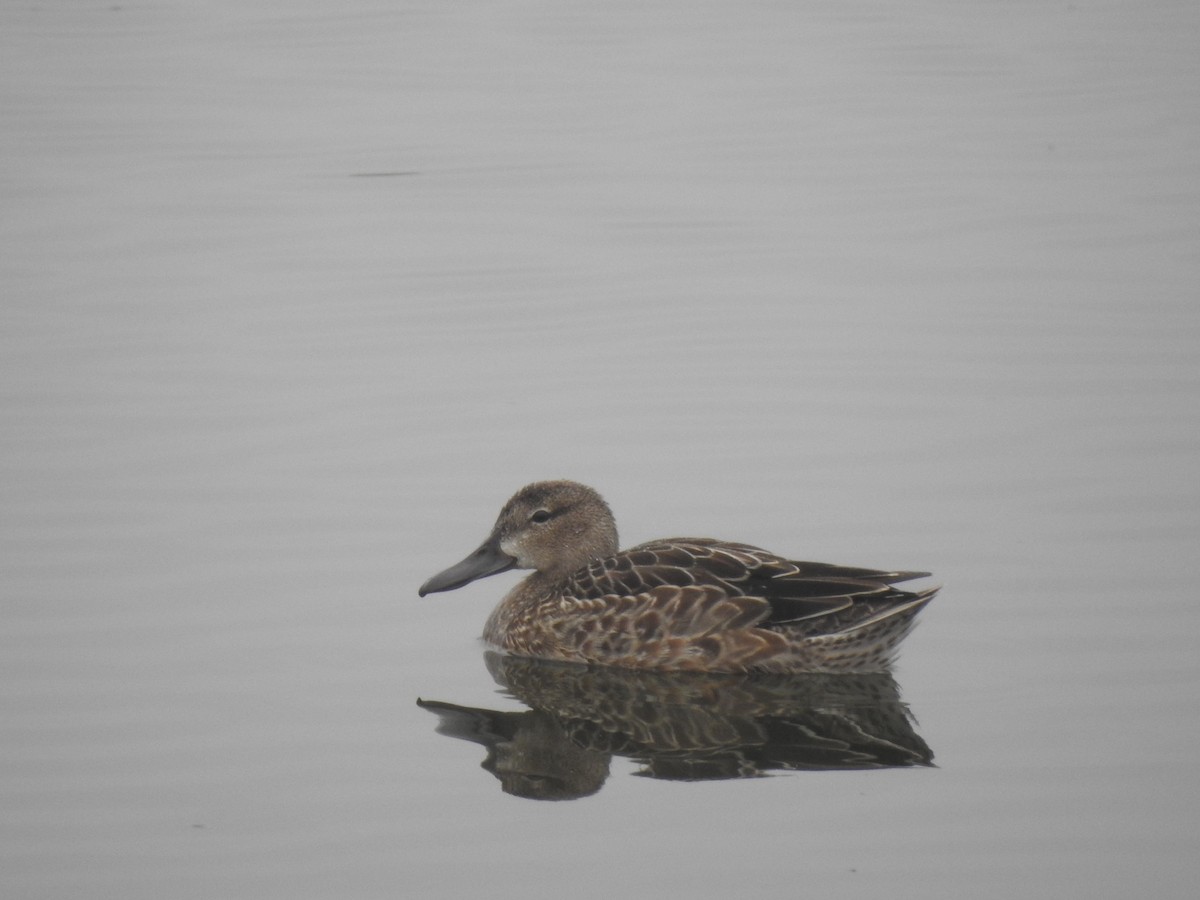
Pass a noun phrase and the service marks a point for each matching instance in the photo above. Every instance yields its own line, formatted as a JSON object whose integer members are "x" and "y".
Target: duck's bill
{"x": 487, "y": 560}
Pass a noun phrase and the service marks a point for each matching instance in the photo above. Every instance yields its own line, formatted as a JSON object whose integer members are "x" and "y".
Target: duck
{"x": 676, "y": 604}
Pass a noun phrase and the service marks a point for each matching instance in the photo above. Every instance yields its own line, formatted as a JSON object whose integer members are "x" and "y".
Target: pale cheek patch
{"x": 513, "y": 549}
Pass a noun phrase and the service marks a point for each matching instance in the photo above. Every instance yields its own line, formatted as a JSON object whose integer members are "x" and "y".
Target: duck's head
{"x": 555, "y": 527}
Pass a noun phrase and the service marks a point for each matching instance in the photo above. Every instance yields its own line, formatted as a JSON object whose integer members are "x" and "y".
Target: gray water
{"x": 295, "y": 296}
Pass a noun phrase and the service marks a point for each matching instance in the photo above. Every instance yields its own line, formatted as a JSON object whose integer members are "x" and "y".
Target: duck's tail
{"x": 870, "y": 645}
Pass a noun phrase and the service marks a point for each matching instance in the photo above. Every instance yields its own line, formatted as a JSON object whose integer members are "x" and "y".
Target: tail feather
{"x": 872, "y": 643}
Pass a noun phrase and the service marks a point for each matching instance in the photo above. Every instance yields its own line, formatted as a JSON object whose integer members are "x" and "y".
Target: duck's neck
{"x": 519, "y": 605}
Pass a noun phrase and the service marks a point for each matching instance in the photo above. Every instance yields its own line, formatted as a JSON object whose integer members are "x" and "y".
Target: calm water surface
{"x": 295, "y": 298}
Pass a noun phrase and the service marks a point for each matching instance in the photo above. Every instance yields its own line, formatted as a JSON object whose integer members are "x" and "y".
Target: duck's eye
{"x": 542, "y": 515}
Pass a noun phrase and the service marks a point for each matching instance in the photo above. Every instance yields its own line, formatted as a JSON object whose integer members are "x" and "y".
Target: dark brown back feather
{"x": 816, "y": 598}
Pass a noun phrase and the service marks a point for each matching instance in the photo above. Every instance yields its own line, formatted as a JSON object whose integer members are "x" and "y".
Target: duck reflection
{"x": 680, "y": 726}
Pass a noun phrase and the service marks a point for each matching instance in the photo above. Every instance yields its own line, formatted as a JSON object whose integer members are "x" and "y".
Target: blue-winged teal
{"x": 678, "y": 604}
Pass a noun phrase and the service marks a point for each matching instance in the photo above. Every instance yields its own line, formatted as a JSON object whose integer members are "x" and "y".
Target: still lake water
{"x": 295, "y": 297}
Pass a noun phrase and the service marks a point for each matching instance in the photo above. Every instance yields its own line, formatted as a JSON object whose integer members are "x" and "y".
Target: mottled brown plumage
{"x": 677, "y": 604}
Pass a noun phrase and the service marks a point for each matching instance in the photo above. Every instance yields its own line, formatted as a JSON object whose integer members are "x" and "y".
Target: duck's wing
{"x": 786, "y": 591}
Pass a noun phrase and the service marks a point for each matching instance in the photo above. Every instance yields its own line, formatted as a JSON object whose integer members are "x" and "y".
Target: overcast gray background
{"x": 296, "y": 294}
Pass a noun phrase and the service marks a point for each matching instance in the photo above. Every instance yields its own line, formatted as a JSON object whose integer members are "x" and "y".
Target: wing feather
{"x": 682, "y": 600}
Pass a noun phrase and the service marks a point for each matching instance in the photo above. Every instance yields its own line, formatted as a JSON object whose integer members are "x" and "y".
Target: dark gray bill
{"x": 487, "y": 560}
